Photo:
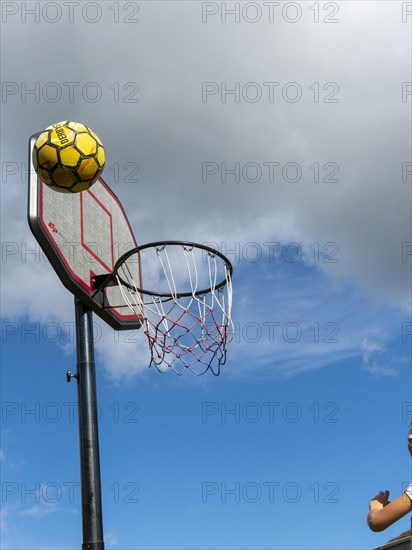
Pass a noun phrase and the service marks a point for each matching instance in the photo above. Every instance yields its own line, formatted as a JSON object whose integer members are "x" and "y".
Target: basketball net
{"x": 189, "y": 328}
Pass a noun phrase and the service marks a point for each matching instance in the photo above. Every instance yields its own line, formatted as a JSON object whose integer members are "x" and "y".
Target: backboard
{"x": 83, "y": 235}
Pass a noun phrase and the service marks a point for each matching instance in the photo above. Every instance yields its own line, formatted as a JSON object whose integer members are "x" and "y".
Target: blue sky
{"x": 319, "y": 370}
{"x": 285, "y": 460}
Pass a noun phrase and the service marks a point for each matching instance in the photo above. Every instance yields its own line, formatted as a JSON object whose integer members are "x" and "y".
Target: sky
{"x": 279, "y": 132}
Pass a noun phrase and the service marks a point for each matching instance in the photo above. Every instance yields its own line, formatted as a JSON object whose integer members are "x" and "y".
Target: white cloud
{"x": 29, "y": 284}
{"x": 375, "y": 359}
{"x": 110, "y": 538}
{"x": 39, "y": 511}
{"x": 377, "y": 369}
{"x": 306, "y": 324}
{"x": 122, "y": 354}
{"x": 370, "y": 347}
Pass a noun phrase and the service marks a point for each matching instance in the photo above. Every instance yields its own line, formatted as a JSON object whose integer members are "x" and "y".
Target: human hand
{"x": 379, "y": 501}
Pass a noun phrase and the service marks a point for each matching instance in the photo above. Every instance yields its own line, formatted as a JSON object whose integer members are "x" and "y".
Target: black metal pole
{"x": 88, "y": 431}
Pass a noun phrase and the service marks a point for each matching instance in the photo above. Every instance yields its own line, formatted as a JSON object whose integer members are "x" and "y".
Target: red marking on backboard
{"x": 89, "y": 250}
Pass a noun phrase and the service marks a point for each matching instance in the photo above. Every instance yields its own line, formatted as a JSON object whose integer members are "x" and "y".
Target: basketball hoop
{"x": 188, "y": 318}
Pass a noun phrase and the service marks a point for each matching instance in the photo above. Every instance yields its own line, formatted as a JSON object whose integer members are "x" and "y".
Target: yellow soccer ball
{"x": 68, "y": 157}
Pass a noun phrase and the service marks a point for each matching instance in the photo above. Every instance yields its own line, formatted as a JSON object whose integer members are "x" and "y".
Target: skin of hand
{"x": 383, "y": 513}
{"x": 379, "y": 501}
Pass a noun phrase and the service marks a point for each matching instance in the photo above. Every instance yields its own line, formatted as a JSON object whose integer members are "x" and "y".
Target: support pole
{"x": 88, "y": 431}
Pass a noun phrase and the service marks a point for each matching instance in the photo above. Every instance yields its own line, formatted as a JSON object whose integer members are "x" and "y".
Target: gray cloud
{"x": 170, "y": 132}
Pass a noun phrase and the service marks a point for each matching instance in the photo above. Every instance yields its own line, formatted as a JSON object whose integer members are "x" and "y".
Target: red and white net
{"x": 188, "y": 319}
